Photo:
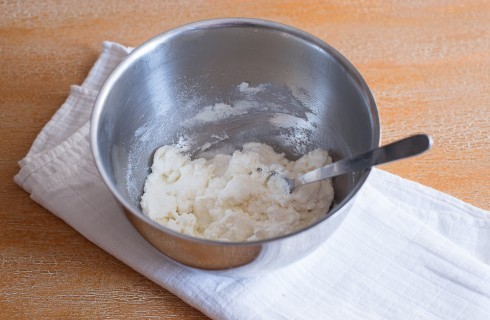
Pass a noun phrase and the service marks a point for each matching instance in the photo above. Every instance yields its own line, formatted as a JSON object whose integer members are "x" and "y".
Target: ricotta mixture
{"x": 239, "y": 197}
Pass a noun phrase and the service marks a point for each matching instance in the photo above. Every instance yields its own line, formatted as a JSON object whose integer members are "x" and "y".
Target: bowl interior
{"x": 283, "y": 87}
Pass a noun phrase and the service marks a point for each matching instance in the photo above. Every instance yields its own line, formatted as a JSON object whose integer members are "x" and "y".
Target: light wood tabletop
{"x": 426, "y": 62}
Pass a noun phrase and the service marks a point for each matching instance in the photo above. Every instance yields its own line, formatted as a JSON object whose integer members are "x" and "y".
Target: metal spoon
{"x": 400, "y": 149}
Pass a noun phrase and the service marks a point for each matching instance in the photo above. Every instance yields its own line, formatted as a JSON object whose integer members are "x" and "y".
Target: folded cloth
{"x": 405, "y": 251}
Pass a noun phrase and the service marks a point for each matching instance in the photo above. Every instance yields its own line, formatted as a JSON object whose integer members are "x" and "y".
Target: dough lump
{"x": 239, "y": 197}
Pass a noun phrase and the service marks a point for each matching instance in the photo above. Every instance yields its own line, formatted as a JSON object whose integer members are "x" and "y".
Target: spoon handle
{"x": 400, "y": 149}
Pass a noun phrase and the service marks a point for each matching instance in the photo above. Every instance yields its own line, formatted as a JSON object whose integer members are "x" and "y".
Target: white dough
{"x": 234, "y": 198}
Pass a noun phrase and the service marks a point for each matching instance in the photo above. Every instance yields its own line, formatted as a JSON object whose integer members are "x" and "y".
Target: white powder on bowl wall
{"x": 239, "y": 197}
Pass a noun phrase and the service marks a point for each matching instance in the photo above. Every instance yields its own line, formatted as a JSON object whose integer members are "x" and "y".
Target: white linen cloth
{"x": 405, "y": 251}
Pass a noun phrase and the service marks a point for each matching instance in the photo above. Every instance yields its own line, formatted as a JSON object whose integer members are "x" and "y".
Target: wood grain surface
{"x": 427, "y": 63}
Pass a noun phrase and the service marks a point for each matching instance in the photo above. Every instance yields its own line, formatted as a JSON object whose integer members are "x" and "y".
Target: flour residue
{"x": 282, "y": 108}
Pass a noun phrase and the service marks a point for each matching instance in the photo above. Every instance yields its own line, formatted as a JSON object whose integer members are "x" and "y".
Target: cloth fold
{"x": 405, "y": 251}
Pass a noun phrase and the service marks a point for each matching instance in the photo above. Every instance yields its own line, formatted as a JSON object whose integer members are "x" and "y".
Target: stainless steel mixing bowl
{"x": 304, "y": 95}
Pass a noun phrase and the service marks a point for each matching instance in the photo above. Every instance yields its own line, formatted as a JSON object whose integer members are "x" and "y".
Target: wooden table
{"x": 427, "y": 63}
